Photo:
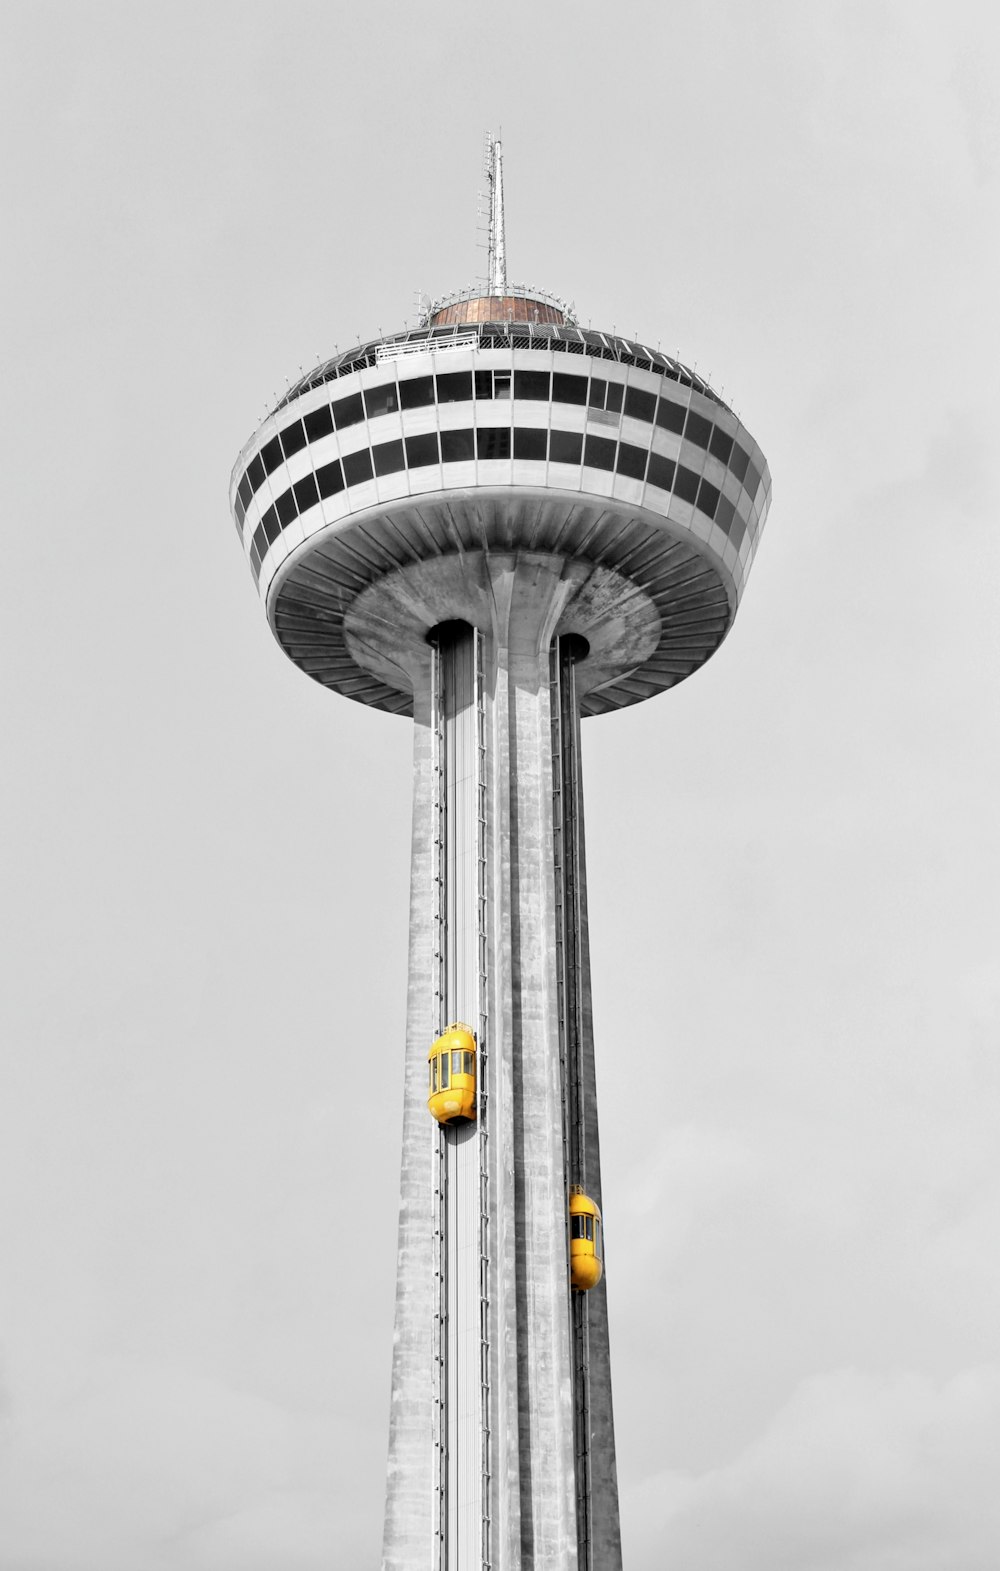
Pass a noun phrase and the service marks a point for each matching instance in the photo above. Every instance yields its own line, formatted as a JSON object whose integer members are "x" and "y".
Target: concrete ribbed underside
{"x": 663, "y": 567}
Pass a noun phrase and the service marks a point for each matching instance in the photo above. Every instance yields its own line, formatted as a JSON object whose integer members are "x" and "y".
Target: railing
{"x": 386, "y": 352}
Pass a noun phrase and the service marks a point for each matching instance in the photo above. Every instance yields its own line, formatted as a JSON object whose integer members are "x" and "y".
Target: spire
{"x": 498, "y": 252}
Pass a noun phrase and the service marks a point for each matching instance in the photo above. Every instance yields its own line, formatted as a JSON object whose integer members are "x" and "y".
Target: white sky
{"x": 793, "y": 857}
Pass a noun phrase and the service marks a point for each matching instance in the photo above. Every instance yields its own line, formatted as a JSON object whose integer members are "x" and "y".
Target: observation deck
{"x": 373, "y": 500}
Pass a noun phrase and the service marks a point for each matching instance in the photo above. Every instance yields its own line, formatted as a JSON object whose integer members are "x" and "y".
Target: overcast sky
{"x": 793, "y": 857}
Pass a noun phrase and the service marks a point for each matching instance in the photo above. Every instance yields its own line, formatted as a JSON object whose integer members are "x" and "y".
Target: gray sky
{"x": 792, "y": 858}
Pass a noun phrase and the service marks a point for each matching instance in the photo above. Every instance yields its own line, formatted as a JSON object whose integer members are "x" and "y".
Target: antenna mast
{"x": 497, "y": 247}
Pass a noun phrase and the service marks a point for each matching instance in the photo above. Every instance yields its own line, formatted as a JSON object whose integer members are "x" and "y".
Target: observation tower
{"x": 499, "y": 523}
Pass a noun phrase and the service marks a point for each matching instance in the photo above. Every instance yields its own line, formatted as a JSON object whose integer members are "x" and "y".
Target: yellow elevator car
{"x": 452, "y": 1074}
{"x": 586, "y": 1248}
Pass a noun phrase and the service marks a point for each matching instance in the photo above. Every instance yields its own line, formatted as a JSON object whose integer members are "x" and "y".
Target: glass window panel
{"x": 484, "y": 384}
{"x": 708, "y": 498}
{"x": 330, "y": 478}
{"x": 445, "y": 1077}
{"x": 255, "y": 559}
{"x": 724, "y": 513}
{"x": 661, "y": 471}
{"x": 455, "y": 387}
{"x": 598, "y": 1241}
{"x": 614, "y": 398}
{"x": 456, "y": 1061}
{"x": 285, "y": 508}
{"x": 686, "y": 484}
{"x": 600, "y": 453}
{"x": 319, "y": 423}
{"x": 271, "y": 455}
{"x": 721, "y": 445}
{"x": 416, "y": 392}
{"x": 494, "y": 441}
{"x": 737, "y": 530}
{"x": 306, "y": 493}
{"x": 639, "y": 404}
{"x": 631, "y": 460}
{"x": 255, "y": 474}
{"x": 576, "y": 1226}
{"x": 240, "y": 510}
{"x": 589, "y": 1220}
{"x": 381, "y": 400}
{"x": 467, "y": 1065}
{"x": 738, "y": 462}
{"x": 422, "y": 449}
{"x": 348, "y": 411}
{"x": 751, "y": 480}
{"x": 358, "y": 467}
{"x": 388, "y": 457}
{"x": 260, "y": 541}
{"x": 293, "y": 438}
{"x": 501, "y": 384}
{"x": 565, "y": 447}
{"x": 698, "y": 429}
{"x": 568, "y": 389}
{"x": 598, "y": 389}
{"x": 531, "y": 384}
{"x": 245, "y": 491}
{"x": 434, "y": 1073}
{"x": 456, "y": 445}
{"x": 670, "y": 416}
{"x": 529, "y": 443}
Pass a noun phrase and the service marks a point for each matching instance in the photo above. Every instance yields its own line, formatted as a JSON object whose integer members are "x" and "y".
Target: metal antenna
{"x": 497, "y": 277}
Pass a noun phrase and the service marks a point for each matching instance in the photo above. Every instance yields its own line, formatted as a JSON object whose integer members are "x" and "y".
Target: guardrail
{"x": 386, "y": 352}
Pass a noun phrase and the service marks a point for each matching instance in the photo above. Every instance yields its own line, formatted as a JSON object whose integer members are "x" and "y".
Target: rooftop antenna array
{"x": 497, "y": 270}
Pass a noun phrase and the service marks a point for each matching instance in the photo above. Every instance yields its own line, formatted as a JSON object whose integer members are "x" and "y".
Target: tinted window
{"x": 245, "y": 491}
{"x": 598, "y": 388}
{"x": 529, "y": 444}
{"x": 737, "y": 531}
{"x": 422, "y": 449}
{"x": 240, "y": 511}
{"x": 686, "y": 484}
{"x": 721, "y": 445}
{"x": 751, "y": 480}
{"x": 670, "y": 415}
{"x": 445, "y": 1078}
{"x": 259, "y": 542}
{"x": 417, "y": 392}
{"x": 269, "y": 524}
{"x": 381, "y": 400}
{"x": 576, "y": 1226}
{"x": 454, "y": 388}
{"x": 640, "y": 405}
{"x": 293, "y": 438}
{"x": 271, "y": 454}
{"x": 456, "y": 445}
{"x": 467, "y": 1068}
{"x": 698, "y": 429}
{"x": 256, "y": 558}
{"x": 565, "y": 447}
{"x": 724, "y": 513}
{"x": 330, "y": 478}
{"x": 708, "y": 498}
{"x": 494, "y": 442}
{"x": 305, "y": 492}
{"x": 501, "y": 384}
{"x": 531, "y": 384}
{"x": 319, "y": 422}
{"x": 456, "y": 1062}
{"x": 388, "y": 457}
{"x": 600, "y": 453}
{"x": 358, "y": 467}
{"x": 631, "y": 461}
{"x": 614, "y": 398}
{"x": 255, "y": 474}
{"x": 568, "y": 389}
{"x": 286, "y": 508}
{"x": 348, "y": 411}
{"x": 738, "y": 462}
{"x": 661, "y": 472}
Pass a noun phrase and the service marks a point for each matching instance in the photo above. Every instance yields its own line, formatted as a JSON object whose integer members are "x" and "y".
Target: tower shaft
{"x": 501, "y": 1438}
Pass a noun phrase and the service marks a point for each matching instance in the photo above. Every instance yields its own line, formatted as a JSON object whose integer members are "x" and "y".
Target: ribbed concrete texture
{"x": 528, "y": 1504}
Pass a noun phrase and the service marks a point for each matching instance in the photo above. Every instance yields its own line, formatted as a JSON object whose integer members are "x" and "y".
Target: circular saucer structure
{"x": 375, "y": 500}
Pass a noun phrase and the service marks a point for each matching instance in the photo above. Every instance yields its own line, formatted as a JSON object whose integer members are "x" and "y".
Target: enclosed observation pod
{"x": 586, "y": 1246}
{"x": 452, "y": 1075}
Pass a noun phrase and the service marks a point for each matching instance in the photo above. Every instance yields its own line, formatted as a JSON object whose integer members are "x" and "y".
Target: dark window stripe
{"x": 358, "y": 467}
{"x": 422, "y": 449}
{"x": 600, "y": 453}
{"x": 388, "y": 458}
{"x": 457, "y": 445}
{"x": 698, "y": 429}
{"x": 686, "y": 484}
{"x": 661, "y": 471}
{"x": 285, "y": 508}
{"x": 330, "y": 478}
{"x": 566, "y": 447}
{"x": 306, "y": 492}
{"x": 640, "y": 404}
{"x": 318, "y": 423}
{"x": 568, "y": 389}
{"x": 708, "y": 498}
{"x": 631, "y": 461}
{"x": 493, "y": 441}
